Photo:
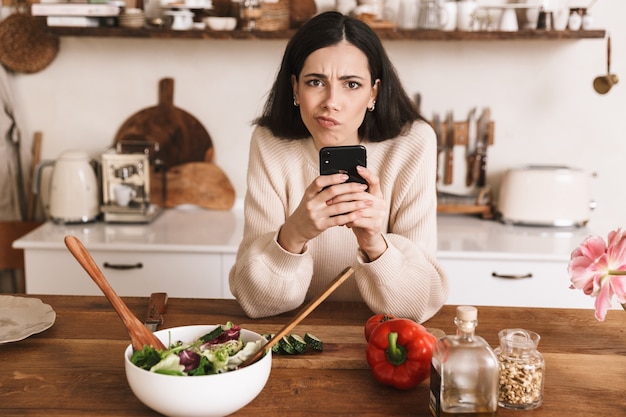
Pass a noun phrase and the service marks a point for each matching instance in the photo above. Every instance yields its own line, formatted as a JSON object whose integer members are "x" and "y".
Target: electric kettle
{"x": 73, "y": 188}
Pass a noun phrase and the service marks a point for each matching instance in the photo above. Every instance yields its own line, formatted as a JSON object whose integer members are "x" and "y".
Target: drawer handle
{"x": 138, "y": 265}
{"x": 509, "y": 276}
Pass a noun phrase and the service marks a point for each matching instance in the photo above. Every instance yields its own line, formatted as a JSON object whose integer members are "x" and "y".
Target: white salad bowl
{"x": 206, "y": 395}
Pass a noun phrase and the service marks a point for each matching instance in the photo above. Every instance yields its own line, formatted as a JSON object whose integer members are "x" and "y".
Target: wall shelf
{"x": 385, "y": 34}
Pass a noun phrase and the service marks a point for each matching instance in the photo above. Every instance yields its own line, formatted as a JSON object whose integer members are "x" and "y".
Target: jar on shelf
{"x": 575, "y": 20}
{"x": 521, "y": 370}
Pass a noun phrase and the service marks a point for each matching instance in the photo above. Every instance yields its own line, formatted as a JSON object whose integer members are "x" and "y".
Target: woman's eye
{"x": 314, "y": 83}
{"x": 353, "y": 85}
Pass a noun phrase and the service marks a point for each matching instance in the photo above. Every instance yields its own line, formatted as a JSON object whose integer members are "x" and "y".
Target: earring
{"x": 371, "y": 109}
{"x": 295, "y": 103}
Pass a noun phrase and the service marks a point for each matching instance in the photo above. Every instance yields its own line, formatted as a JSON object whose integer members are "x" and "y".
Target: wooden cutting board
{"x": 201, "y": 183}
{"x": 344, "y": 347}
{"x": 186, "y": 151}
{"x": 181, "y": 137}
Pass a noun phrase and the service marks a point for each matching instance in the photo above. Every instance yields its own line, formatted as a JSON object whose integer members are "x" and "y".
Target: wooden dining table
{"x": 76, "y": 367}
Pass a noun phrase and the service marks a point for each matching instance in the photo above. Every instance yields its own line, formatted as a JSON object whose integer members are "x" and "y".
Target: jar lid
{"x": 518, "y": 339}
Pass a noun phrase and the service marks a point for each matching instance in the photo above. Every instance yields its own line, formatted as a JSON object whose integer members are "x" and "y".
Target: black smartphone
{"x": 343, "y": 159}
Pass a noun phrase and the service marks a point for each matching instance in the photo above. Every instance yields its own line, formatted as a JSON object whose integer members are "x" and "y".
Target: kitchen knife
{"x": 471, "y": 147}
{"x": 449, "y": 147}
{"x": 156, "y": 309}
{"x": 438, "y": 134}
{"x": 480, "y": 163}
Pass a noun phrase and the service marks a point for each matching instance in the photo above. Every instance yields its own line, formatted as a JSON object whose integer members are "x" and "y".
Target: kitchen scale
{"x": 126, "y": 183}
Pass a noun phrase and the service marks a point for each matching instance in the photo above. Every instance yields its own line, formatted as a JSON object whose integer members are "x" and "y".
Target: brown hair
{"x": 394, "y": 112}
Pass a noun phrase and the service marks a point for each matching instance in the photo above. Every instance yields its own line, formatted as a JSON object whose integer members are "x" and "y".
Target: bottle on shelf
{"x": 464, "y": 372}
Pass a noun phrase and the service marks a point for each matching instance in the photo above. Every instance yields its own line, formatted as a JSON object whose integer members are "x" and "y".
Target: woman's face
{"x": 334, "y": 91}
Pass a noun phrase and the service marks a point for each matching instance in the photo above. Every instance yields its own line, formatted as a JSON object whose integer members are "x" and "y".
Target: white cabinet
{"x": 129, "y": 273}
{"x": 489, "y": 263}
{"x": 520, "y": 283}
{"x": 186, "y": 253}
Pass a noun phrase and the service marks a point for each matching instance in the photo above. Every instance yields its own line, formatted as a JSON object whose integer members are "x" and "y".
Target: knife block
{"x": 458, "y": 198}
{"x": 461, "y": 129}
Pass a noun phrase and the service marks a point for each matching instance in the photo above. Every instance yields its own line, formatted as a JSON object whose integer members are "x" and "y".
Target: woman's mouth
{"x": 326, "y": 121}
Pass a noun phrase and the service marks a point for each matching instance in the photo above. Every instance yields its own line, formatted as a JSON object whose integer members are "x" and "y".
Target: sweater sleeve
{"x": 407, "y": 280}
{"x": 266, "y": 279}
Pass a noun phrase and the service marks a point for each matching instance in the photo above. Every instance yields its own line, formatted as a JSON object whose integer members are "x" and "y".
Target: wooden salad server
{"x": 305, "y": 311}
{"x": 139, "y": 334}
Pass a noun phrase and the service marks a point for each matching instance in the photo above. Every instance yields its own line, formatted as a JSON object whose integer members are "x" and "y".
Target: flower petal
{"x": 603, "y": 302}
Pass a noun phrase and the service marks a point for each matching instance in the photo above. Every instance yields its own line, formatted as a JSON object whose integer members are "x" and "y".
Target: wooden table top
{"x": 75, "y": 368}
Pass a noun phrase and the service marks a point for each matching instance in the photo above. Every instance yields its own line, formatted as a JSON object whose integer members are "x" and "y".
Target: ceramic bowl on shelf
{"x": 179, "y": 19}
{"x": 220, "y": 23}
{"x": 207, "y": 395}
{"x": 132, "y": 18}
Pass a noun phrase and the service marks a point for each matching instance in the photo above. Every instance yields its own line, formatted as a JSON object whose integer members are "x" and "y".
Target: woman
{"x": 336, "y": 86}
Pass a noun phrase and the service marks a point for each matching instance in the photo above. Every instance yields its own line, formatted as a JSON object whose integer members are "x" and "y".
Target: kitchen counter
{"x": 76, "y": 366}
{"x": 199, "y": 230}
{"x": 185, "y": 229}
{"x": 473, "y": 238}
{"x": 200, "y": 247}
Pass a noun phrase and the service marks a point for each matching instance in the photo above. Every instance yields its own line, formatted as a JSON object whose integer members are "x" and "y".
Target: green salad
{"x": 220, "y": 350}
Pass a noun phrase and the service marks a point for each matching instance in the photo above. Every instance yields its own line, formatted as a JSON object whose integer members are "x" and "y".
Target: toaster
{"x": 545, "y": 195}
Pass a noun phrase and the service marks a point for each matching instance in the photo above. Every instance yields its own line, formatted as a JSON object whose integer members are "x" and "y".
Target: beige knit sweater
{"x": 406, "y": 281}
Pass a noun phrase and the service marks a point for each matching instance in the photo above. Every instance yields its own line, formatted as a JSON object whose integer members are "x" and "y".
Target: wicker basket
{"x": 275, "y": 15}
{"x": 25, "y": 43}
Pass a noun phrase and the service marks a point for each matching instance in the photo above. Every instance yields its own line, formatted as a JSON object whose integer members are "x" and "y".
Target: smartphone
{"x": 343, "y": 159}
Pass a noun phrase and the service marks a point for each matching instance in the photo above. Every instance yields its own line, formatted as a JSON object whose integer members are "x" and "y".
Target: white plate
{"x": 509, "y": 6}
{"x": 187, "y": 4}
{"x": 21, "y": 317}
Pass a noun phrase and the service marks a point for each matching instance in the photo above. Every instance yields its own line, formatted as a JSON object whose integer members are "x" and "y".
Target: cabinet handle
{"x": 509, "y": 276}
{"x": 138, "y": 265}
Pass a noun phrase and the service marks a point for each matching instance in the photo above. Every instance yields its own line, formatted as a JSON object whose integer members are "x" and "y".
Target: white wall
{"x": 540, "y": 93}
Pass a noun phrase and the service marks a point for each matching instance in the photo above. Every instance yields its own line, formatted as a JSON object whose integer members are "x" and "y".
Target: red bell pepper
{"x": 399, "y": 353}
{"x": 374, "y": 321}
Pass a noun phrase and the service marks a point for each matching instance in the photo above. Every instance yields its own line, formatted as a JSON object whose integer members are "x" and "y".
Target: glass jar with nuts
{"x": 521, "y": 369}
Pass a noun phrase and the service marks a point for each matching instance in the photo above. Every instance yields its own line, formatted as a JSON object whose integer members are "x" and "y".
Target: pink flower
{"x": 599, "y": 269}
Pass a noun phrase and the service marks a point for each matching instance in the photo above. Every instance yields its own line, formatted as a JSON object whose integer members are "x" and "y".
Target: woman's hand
{"x": 329, "y": 201}
{"x": 368, "y": 227}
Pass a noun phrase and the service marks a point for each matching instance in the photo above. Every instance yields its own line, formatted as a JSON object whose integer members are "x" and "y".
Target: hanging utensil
{"x": 603, "y": 84}
{"x": 139, "y": 334}
{"x": 332, "y": 286}
{"x": 13, "y": 137}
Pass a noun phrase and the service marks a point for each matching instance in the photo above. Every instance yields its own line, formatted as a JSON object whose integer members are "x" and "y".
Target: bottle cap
{"x": 467, "y": 313}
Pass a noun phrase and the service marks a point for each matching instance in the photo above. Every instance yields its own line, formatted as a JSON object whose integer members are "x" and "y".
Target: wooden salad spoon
{"x": 305, "y": 311}
{"x": 139, "y": 334}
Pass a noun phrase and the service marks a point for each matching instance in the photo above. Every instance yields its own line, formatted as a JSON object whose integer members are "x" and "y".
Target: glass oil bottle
{"x": 464, "y": 372}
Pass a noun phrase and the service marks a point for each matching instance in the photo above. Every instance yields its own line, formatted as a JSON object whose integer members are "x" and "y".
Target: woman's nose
{"x": 332, "y": 98}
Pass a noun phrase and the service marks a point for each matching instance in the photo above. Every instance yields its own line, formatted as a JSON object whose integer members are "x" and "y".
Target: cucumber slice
{"x": 298, "y": 343}
{"x": 312, "y": 341}
{"x": 212, "y": 334}
{"x": 286, "y": 345}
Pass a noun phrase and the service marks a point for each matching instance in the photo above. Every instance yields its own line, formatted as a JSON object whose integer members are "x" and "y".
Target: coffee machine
{"x": 126, "y": 173}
